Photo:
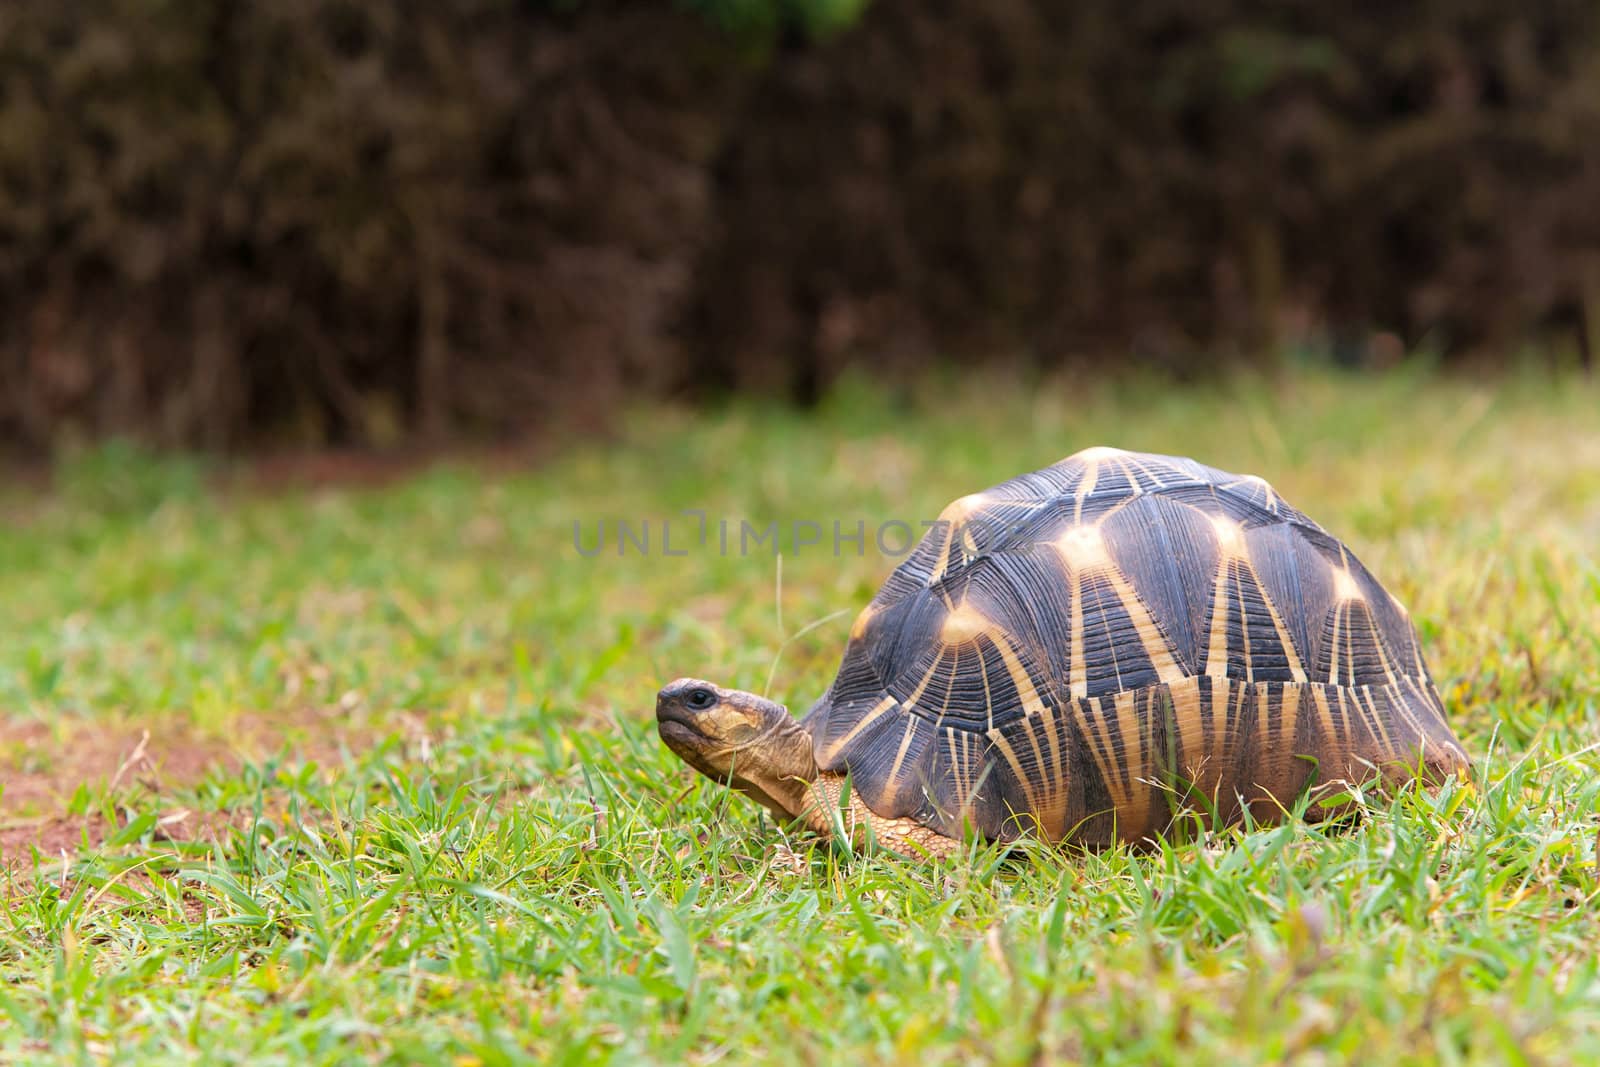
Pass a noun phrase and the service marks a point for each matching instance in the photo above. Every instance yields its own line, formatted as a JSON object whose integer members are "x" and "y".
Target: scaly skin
{"x": 904, "y": 837}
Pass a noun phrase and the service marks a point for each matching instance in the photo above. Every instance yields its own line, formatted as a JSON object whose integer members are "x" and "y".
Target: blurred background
{"x": 225, "y": 225}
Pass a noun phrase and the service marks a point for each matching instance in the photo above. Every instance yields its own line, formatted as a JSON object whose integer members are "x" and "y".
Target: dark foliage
{"x": 1181, "y": 183}
{"x": 333, "y": 220}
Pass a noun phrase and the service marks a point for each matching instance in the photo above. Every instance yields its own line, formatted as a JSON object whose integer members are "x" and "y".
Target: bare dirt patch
{"x": 44, "y": 765}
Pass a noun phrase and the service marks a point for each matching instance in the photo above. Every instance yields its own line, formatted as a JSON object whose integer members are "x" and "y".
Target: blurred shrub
{"x": 358, "y": 220}
{"x": 342, "y": 220}
{"x": 765, "y": 18}
{"x": 1171, "y": 182}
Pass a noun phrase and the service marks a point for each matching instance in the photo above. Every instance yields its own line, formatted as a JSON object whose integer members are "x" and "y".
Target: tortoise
{"x": 1080, "y": 653}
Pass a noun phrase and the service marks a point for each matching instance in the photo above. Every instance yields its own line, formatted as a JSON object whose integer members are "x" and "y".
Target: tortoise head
{"x": 739, "y": 739}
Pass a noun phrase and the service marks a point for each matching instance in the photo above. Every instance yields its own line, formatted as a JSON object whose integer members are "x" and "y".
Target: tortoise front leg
{"x": 904, "y": 837}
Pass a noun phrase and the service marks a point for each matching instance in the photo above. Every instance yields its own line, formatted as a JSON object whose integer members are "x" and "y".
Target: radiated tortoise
{"x": 1079, "y": 653}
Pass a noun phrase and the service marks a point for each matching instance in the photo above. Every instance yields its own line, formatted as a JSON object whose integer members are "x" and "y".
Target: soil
{"x": 42, "y": 766}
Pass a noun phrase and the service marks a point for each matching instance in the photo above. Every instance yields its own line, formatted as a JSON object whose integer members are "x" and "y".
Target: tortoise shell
{"x": 1083, "y": 650}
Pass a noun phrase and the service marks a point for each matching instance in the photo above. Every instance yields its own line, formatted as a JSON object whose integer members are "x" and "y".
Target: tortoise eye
{"x": 700, "y": 699}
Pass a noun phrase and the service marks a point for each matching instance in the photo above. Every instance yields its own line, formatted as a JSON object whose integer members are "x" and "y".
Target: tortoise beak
{"x": 675, "y": 722}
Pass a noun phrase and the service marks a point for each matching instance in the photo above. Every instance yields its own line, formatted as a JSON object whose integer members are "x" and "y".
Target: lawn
{"x": 315, "y": 773}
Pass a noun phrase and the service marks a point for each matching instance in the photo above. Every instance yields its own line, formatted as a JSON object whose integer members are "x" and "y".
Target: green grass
{"x": 505, "y": 865}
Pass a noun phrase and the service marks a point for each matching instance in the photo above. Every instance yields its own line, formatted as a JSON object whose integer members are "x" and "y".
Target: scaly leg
{"x": 905, "y": 837}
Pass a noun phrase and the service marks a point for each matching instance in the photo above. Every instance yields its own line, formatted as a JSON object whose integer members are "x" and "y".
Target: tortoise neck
{"x": 780, "y": 767}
